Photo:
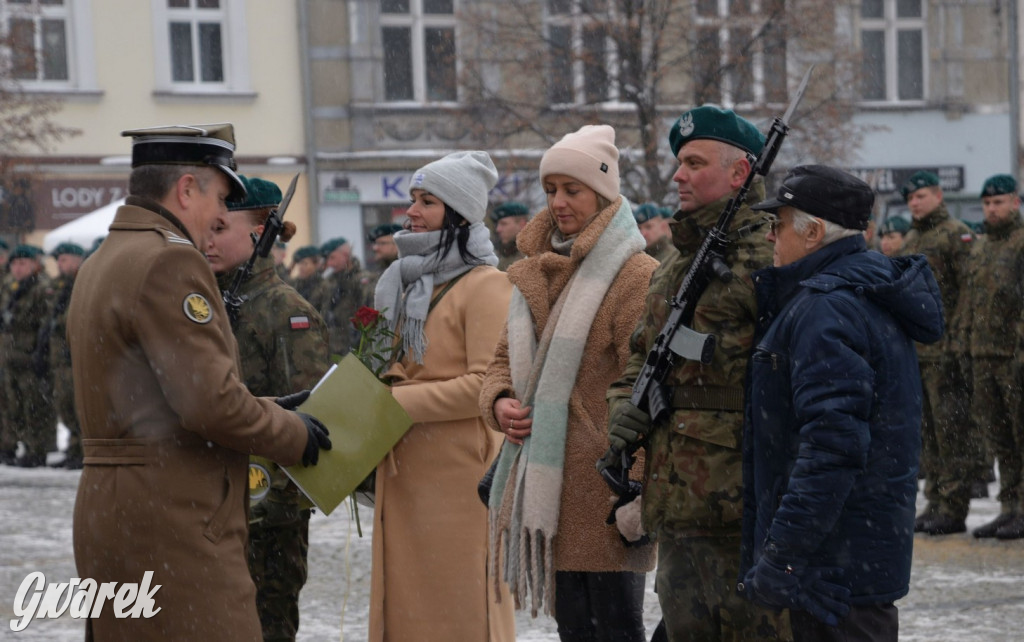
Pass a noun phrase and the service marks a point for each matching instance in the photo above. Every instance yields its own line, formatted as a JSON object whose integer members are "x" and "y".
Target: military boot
{"x": 1012, "y": 529}
{"x": 921, "y": 521}
{"x": 990, "y": 529}
{"x": 943, "y": 525}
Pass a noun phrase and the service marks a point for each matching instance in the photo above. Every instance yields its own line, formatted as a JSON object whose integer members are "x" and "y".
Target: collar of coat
{"x": 932, "y": 219}
{"x": 157, "y": 208}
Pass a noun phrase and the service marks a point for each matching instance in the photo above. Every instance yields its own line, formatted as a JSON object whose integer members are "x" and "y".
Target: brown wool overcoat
{"x": 584, "y": 541}
{"x": 167, "y": 430}
{"x": 429, "y": 580}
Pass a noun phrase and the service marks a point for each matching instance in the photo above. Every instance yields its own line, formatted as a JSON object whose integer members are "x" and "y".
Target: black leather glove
{"x": 627, "y": 425}
{"x": 318, "y": 439}
{"x": 781, "y": 585}
{"x": 292, "y": 401}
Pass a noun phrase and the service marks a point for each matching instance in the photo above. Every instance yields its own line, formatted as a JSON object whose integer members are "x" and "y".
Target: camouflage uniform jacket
{"x": 995, "y": 291}
{"x": 693, "y": 478}
{"x": 282, "y": 348}
{"x": 24, "y": 309}
{"x": 946, "y": 243}
{"x": 311, "y": 289}
{"x": 343, "y": 294}
{"x": 662, "y": 250}
{"x": 508, "y": 253}
{"x": 57, "y": 351}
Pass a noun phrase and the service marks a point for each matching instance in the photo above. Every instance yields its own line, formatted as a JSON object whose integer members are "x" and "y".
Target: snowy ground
{"x": 962, "y": 589}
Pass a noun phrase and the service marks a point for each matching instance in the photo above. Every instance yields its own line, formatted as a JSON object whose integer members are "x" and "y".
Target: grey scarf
{"x": 404, "y": 289}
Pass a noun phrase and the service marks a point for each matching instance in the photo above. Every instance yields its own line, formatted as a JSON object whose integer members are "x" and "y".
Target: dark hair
{"x": 455, "y": 230}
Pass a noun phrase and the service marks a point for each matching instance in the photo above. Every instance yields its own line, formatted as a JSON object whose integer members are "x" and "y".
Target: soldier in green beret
{"x": 279, "y": 252}
{"x": 308, "y": 280}
{"x": 282, "y": 346}
{"x": 385, "y": 252}
{"x": 951, "y": 456}
{"x": 509, "y": 218}
{"x": 892, "y": 233}
{"x": 692, "y": 497}
{"x": 343, "y": 291}
{"x": 52, "y": 347}
{"x": 995, "y": 305}
{"x": 30, "y": 416}
{"x": 655, "y": 230}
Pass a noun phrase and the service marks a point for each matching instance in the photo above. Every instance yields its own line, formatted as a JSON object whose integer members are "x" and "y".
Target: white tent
{"x": 84, "y": 230}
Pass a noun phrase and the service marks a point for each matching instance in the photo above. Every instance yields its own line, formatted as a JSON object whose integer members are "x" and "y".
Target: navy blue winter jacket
{"x": 833, "y": 419}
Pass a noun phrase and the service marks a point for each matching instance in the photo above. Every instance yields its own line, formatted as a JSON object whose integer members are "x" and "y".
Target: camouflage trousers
{"x": 8, "y": 440}
{"x": 277, "y": 564}
{"x": 696, "y": 584}
{"x": 997, "y": 401}
{"x": 29, "y": 411}
{"x": 64, "y": 404}
{"x": 952, "y": 455}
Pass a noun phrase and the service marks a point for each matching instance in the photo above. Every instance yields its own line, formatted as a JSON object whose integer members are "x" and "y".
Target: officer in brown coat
{"x": 167, "y": 424}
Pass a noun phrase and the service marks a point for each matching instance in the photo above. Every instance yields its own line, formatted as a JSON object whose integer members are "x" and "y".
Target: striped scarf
{"x": 526, "y": 493}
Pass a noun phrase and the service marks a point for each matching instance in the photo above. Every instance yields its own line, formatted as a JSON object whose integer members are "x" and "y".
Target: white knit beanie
{"x": 588, "y": 155}
{"x": 461, "y": 180}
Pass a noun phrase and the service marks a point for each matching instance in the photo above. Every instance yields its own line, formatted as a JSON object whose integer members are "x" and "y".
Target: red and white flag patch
{"x": 299, "y": 323}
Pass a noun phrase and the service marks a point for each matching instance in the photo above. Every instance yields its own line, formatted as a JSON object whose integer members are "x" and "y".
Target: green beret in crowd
{"x": 4, "y": 245}
{"x": 281, "y": 245}
{"x": 509, "y": 208}
{"x": 68, "y": 248}
{"x": 258, "y": 194}
{"x": 305, "y": 252}
{"x": 999, "y": 184}
{"x": 384, "y": 229}
{"x": 895, "y": 224}
{"x": 715, "y": 123}
{"x": 666, "y": 212}
{"x": 646, "y": 212}
{"x": 917, "y": 181}
{"x": 331, "y": 245}
{"x": 26, "y": 252}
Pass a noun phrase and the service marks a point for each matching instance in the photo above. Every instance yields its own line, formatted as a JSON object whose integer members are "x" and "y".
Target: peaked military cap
{"x": 202, "y": 145}
{"x": 827, "y": 193}
{"x": 384, "y": 229}
{"x": 999, "y": 184}
{"x": 918, "y": 180}
{"x": 509, "y": 208}
{"x": 68, "y": 248}
{"x": 305, "y": 252}
{"x": 715, "y": 123}
{"x": 646, "y": 212}
{"x": 895, "y": 224}
{"x": 26, "y": 252}
{"x": 332, "y": 245}
{"x": 258, "y": 194}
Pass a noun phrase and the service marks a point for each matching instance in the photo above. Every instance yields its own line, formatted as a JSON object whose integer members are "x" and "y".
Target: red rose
{"x": 365, "y": 317}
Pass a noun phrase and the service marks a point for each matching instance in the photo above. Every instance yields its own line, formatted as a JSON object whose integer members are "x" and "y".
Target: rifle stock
{"x": 676, "y": 339}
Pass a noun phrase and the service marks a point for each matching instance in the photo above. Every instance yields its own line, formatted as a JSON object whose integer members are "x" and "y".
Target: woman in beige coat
{"x": 447, "y": 303}
{"x": 577, "y": 298}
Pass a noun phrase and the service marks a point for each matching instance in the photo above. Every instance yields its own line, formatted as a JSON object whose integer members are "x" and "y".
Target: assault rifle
{"x": 261, "y": 248}
{"x": 676, "y": 339}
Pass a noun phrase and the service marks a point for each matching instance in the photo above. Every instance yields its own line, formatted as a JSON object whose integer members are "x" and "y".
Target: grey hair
{"x": 729, "y": 154}
{"x": 155, "y": 181}
{"x": 832, "y": 231}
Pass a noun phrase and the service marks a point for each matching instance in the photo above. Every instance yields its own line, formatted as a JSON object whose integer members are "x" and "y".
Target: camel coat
{"x": 429, "y": 579}
{"x": 584, "y": 542}
{"x": 167, "y": 429}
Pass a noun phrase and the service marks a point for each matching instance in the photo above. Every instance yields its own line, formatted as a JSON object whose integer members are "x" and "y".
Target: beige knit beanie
{"x": 589, "y": 155}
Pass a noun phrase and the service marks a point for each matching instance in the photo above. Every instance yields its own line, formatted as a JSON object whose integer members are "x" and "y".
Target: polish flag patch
{"x": 299, "y": 323}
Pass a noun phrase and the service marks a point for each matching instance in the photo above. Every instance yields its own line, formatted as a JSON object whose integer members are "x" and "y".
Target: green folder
{"x": 364, "y": 421}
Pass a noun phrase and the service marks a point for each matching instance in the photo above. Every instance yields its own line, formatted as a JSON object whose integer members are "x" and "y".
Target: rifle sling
{"x": 707, "y": 398}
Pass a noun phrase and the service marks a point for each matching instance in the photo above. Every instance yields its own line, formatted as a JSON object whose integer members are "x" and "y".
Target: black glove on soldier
{"x": 627, "y": 425}
{"x": 292, "y": 401}
{"x": 316, "y": 441}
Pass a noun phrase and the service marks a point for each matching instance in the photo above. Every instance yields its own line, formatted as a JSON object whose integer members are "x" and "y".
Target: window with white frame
{"x": 892, "y": 41}
{"x": 740, "y": 52}
{"x": 585, "y": 66}
{"x": 420, "y": 56}
{"x": 47, "y": 44}
{"x": 200, "y": 45}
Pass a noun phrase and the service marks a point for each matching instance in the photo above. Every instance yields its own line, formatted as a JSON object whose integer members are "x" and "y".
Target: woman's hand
{"x": 514, "y": 419}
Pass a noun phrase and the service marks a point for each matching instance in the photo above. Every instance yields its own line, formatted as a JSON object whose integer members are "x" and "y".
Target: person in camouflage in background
{"x": 995, "y": 306}
{"x": 282, "y": 346}
{"x": 656, "y": 231}
{"x": 344, "y": 291}
{"x": 29, "y": 409}
{"x": 509, "y": 218}
{"x": 52, "y": 348}
{"x": 278, "y": 253}
{"x": 308, "y": 280}
{"x": 385, "y": 252}
{"x": 951, "y": 455}
{"x": 8, "y": 443}
{"x": 692, "y": 497}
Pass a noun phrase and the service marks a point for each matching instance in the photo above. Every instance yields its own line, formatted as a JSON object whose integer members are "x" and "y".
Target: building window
{"x": 892, "y": 49}
{"x": 200, "y": 45}
{"x": 741, "y": 52}
{"x": 47, "y": 44}
{"x": 420, "y": 56}
{"x": 584, "y": 62}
